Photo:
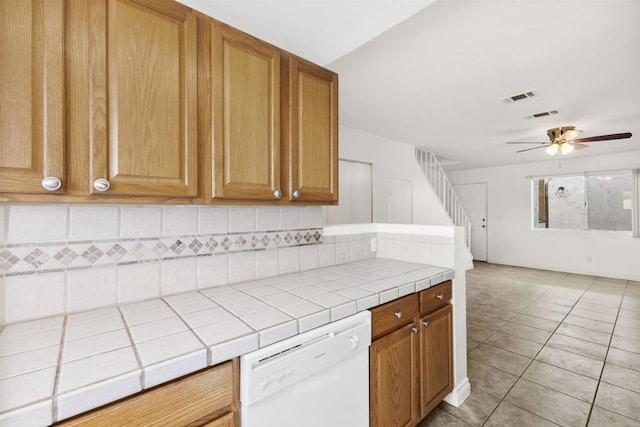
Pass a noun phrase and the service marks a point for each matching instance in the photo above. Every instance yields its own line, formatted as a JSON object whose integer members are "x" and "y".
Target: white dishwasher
{"x": 319, "y": 378}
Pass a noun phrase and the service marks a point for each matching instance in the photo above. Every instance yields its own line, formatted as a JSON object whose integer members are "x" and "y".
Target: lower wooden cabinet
{"x": 228, "y": 420}
{"x": 411, "y": 357}
{"x": 394, "y": 379}
{"x": 206, "y": 398}
{"x": 436, "y": 356}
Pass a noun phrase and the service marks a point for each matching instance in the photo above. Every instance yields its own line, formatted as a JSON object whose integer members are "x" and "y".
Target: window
{"x": 600, "y": 201}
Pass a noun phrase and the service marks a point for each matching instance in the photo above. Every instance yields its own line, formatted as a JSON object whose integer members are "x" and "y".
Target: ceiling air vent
{"x": 519, "y": 97}
{"x": 543, "y": 114}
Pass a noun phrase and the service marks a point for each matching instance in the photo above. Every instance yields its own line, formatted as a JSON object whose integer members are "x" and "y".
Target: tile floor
{"x": 548, "y": 348}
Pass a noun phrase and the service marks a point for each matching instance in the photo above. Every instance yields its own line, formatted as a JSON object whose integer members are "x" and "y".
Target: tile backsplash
{"x": 58, "y": 259}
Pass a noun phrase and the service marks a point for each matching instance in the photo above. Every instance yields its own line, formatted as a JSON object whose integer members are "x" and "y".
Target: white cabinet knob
{"x": 51, "y": 183}
{"x": 277, "y": 194}
{"x": 398, "y": 314}
{"x": 101, "y": 184}
{"x": 296, "y": 194}
{"x": 440, "y": 296}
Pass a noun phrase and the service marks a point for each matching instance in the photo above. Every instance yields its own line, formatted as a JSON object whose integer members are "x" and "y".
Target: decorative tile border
{"x": 21, "y": 259}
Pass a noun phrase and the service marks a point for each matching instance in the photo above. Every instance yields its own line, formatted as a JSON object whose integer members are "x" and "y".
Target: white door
{"x": 474, "y": 202}
{"x": 399, "y": 201}
{"x": 355, "y": 191}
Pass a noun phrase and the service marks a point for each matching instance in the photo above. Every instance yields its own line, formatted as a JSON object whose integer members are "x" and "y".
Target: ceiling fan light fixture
{"x": 571, "y": 134}
{"x": 566, "y": 148}
{"x": 552, "y": 149}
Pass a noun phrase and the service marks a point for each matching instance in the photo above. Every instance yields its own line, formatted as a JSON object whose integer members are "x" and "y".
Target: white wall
{"x": 512, "y": 241}
{"x": 392, "y": 159}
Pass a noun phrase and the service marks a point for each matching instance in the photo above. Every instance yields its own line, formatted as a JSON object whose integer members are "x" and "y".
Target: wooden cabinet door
{"x": 394, "y": 376}
{"x": 31, "y": 94}
{"x": 436, "y": 358}
{"x": 311, "y": 123}
{"x": 143, "y": 87}
{"x": 245, "y": 75}
{"x": 228, "y": 420}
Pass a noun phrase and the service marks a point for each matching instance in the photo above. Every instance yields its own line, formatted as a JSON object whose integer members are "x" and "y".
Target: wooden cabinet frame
{"x": 426, "y": 320}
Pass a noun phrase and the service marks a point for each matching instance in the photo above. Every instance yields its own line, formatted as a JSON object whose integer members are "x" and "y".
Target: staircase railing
{"x": 443, "y": 189}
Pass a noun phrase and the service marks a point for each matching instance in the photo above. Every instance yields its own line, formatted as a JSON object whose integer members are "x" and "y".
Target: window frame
{"x": 635, "y": 200}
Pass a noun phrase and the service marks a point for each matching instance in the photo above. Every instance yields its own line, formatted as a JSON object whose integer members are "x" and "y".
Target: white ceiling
{"x": 435, "y": 79}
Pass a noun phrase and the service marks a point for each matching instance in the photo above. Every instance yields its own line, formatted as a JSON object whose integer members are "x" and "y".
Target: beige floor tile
{"x": 578, "y": 346}
{"x": 535, "y": 322}
{"x": 629, "y": 304}
{"x": 478, "y": 333}
{"x": 558, "y": 379}
{"x": 616, "y": 399}
{"x": 595, "y": 325}
{"x": 550, "y": 404}
{"x": 514, "y": 344}
{"x": 627, "y": 331}
{"x": 627, "y": 344}
{"x": 567, "y": 302}
{"x": 507, "y": 304}
{"x": 621, "y": 377}
{"x": 609, "y": 300}
{"x": 594, "y": 315}
{"x": 543, "y": 313}
{"x": 471, "y": 344}
{"x": 484, "y": 321}
{"x": 602, "y": 418}
{"x": 596, "y": 308}
{"x": 623, "y": 358}
{"x": 489, "y": 379}
{"x": 440, "y": 418}
{"x": 508, "y": 415}
{"x": 501, "y": 359}
{"x": 551, "y": 307}
{"x": 626, "y": 321}
{"x": 475, "y": 410}
{"x": 526, "y": 332}
{"x": 573, "y": 362}
{"x": 498, "y": 313}
{"x": 585, "y": 334}
{"x": 629, "y": 314}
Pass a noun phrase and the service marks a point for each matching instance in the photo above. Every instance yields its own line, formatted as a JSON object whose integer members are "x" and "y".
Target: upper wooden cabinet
{"x": 241, "y": 108}
{"x": 268, "y": 122}
{"x": 31, "y": 95}
{"x": 310, "y": 128}
{"x": 143, "y": 97}
{"x": 148, "y": 101}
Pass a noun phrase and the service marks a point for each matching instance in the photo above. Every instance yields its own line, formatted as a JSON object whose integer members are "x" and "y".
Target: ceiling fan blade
{"x": 521, "y": 142}
{"x": 579, "y": 146}
{"x": 570, "y": 135}
{"x": 534, "y": 148}
{"x": 604, "y": 137}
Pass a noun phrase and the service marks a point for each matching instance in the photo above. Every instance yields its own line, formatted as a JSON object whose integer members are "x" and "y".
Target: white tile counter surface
{"x": 54, "y": 368}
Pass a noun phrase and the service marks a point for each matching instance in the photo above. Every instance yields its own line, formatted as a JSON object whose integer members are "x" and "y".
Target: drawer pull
{"x": 415, "y": 329}
{"x": 440, "y": 296}
{"x": 426, "y": 323}
{"x": 398, "y": 314}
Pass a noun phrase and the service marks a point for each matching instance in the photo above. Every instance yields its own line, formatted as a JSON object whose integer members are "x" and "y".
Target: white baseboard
{"x": 459, "y": 394}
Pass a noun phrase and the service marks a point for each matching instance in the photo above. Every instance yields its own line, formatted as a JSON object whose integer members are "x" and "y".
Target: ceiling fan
{"x": 565, "y": 139}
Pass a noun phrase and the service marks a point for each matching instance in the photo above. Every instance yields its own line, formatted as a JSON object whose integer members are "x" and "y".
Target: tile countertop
{"x": 55, "y": 368}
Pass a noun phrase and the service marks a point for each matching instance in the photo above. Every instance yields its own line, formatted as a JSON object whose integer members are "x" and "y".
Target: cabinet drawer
{"x": 178, "y": 403}
{"x": 393, "y": 315}
{"x": 433, "y": 298}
